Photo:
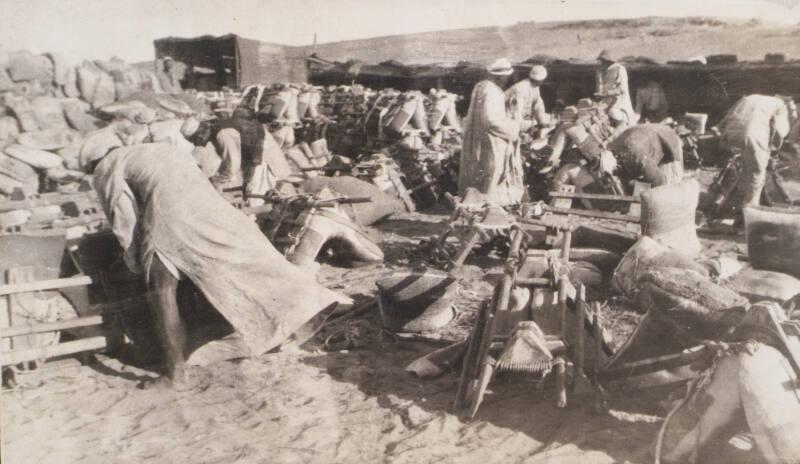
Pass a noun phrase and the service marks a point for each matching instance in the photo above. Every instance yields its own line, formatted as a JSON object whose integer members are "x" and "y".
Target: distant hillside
{"x": 658, "y": 38}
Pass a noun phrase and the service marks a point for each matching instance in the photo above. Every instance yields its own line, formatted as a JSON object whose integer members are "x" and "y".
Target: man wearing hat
{"x": 524, "y": 100}
{"x": 612, "y": 87}
{"x": 490, "y": 160}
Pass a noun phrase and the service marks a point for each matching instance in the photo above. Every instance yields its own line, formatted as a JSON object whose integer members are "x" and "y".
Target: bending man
{"x": 755, "y": 127}
{"x": 172, "y": 224}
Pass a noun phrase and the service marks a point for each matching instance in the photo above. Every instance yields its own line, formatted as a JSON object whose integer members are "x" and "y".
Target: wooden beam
{"x": 28, "y": 329}
{"x": 9, "y": 358}
{"x": 595, "y": 196}
{"x": 593, "y": 214}
{"x": 41, "y": 285}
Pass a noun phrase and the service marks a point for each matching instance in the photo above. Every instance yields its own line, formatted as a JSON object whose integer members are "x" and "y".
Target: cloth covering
{"x": 158, "y": 200}
{"x": 651, "y": 153}
{"x": 490, "y": 158}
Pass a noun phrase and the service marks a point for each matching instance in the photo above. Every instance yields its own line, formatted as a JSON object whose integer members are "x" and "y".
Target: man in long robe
{"x": 756, "y": 126}
{"x": 611, "y": 82}
{"x": 172, "y": 224}
{"x": 490, "y": 157}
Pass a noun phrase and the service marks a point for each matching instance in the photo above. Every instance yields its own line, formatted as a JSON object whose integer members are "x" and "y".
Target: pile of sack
{"x": 51, "y": 109}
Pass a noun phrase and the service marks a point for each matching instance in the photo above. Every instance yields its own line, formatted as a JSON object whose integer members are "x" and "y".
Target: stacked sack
{"x": 48, "y": 107}
{"x": 56, "y": 117}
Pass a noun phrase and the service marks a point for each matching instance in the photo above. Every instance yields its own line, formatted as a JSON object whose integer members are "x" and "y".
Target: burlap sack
{"x": 773, "y": 239}
{"x": 9, "y": 128}
{"x": 665, "y": 288}
{"x": 647, "y": 255}
{"x": 48, "y": 112}
{"x": 39, "y": 159}
{"x": 668, "y": 216}
{"x": 23, "y": 111}
{"x": 16, "y": 169}
{"x": 757, "y": 285}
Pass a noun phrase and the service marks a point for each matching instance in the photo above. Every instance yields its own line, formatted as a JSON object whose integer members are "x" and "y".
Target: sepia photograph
{"x": 400, "y": 231}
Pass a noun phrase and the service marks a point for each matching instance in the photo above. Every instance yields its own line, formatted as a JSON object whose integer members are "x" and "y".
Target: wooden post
{"x": 566, "y": 244}
{"x": 562, "y": 306}
{"x": 580, "y": 315}
{"x": 598, "y": 357}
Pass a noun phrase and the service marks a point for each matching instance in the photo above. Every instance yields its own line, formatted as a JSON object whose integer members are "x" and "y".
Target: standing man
{"x": 611, "y": 82}
{"x": 524, "y": 100}
{"x": 755, "y": 127}
{"x": 651, "y": 102}
{"x": 490, "y": 158}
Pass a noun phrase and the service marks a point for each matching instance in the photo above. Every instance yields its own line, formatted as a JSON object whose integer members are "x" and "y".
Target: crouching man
{"x": 650, "y": 153}
{"x": 172, "y": 225}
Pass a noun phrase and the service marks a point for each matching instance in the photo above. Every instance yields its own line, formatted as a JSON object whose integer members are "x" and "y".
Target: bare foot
{"x": 193, "y": 380}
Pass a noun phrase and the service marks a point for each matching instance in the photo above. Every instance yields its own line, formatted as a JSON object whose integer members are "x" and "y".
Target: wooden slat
{"x": 595, "y": 196}
{"x": 33, "y": 354}
{"x": 42, "y": 285}
{"x": 28, "y": 329}
{"x": 593, "y": 214}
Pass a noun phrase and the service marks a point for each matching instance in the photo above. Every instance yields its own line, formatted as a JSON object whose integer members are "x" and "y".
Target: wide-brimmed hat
{"x": 605, "y": 55}
{"x": 538, "y": 73}
{"x": 501, "y": 67}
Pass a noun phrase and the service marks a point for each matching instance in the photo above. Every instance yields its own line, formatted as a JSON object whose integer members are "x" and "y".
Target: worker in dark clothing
{"x": 651, "y": 153}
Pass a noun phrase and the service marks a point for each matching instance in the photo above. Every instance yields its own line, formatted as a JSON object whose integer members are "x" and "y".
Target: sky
{"x": 104, "y": 28}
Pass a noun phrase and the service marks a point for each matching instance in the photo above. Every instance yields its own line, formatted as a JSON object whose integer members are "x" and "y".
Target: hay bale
{"x": 668, "y": 215}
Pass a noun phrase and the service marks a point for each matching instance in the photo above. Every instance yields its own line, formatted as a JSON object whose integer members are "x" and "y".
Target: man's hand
{"x": 608, "y": 163}
{"x": 525, "y": 125}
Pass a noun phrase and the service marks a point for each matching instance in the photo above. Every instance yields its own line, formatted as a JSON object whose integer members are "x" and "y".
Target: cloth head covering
{"x": 616, "y": 114}
{"x": 538, "y": 73}
{"x": 501, "y": 67}
{"x": 190, "y": 126}
{"x": 605, "y": 55}
{"x": 97, "y": 145}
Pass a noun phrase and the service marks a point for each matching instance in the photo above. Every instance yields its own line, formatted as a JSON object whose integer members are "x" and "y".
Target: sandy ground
{"x": 312, "y": 406}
